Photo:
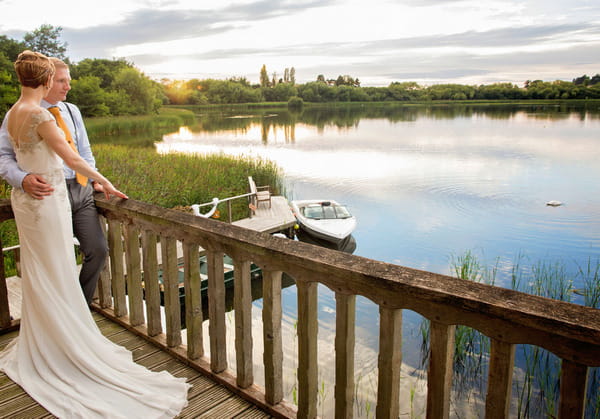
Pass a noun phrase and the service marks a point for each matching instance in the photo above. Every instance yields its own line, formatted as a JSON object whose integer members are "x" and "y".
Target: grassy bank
{"x": 173, "y": 180}
{"x": 167, "y": 119}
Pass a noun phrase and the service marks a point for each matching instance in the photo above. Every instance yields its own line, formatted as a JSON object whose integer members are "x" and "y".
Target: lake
{"x": 428, "y": 185}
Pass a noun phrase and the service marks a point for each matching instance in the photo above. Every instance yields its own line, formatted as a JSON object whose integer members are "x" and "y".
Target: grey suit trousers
{"x": 87, "y": 229}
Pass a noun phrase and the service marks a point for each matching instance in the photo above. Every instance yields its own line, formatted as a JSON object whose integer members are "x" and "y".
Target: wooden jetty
{"x": 277, "y": 218}
{"x": 206, "y": 399}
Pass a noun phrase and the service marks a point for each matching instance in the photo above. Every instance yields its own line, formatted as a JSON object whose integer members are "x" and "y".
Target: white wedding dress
{"x": 60, "y": 357}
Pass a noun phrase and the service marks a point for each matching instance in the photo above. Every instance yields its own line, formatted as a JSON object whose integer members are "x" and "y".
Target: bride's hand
{"x": 109, "y": 190}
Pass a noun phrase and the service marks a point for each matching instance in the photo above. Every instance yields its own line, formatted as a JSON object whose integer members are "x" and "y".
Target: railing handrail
{"x": 231, "y": 198}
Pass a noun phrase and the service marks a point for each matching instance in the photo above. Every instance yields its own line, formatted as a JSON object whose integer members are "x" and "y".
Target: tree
{"x": 11, "y": 48}
{"x": 106, "y": 70}
{"x": 46, "y": 39}
{"x": 293, "y": 76}
{"x": 89, "y": 96}
{"x": 264, "y": 77}
{"x": 143, "y": 93}
{"x": 9, "y": 90}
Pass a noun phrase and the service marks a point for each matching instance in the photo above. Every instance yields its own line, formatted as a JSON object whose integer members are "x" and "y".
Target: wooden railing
{"x": 507, "y": 317}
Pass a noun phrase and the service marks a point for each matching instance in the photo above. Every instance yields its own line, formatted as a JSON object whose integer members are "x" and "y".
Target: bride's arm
{"x": 55, "y": 139}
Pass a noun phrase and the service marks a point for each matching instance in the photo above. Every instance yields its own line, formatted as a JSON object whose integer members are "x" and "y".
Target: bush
{"x": 295, "y": 102}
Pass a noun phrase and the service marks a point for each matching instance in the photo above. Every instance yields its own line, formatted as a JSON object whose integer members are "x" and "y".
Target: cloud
{"x": 154, "y": 25}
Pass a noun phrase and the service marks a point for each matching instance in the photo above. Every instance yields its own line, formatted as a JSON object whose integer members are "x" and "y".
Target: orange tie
{"x": 54, "y": 110}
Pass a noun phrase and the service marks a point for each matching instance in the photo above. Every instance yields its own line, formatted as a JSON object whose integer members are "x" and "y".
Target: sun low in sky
{"x": 376, "y": 41}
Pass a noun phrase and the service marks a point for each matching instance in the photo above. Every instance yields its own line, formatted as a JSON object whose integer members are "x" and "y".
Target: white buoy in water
{"x": 554, "y": 203}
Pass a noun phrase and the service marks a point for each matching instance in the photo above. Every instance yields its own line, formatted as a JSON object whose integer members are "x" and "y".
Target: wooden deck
{"x": 206, "y": 399}
{"x": 270, "y": 220}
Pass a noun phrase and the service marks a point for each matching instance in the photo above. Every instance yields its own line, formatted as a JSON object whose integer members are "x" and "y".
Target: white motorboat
{"x": 324, "y": 219}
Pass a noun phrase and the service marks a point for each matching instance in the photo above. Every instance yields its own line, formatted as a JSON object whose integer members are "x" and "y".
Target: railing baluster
{"x": 502, "y": 360}
{"x": 573, "y": 387}
{"x": 168, "y": 247}
{"x": 242, "y": 305}
{"x": 439, "y": 375}
{"x": 115, "y": 250}
{"x": 389, "y": 363}
{"x": 216, "y": 311}
{"x": 134, "y": 275}
{"x": 151, "y": 286}
{"x": 104, "y": 293}
{"x": 193, "y": 300}
{"x": 307, "y": 349}
{"x": 272, "y": 344}
{"x": 345, "y": 323}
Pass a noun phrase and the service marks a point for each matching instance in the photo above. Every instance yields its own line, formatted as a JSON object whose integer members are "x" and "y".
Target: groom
{"x": 86, "y": 224}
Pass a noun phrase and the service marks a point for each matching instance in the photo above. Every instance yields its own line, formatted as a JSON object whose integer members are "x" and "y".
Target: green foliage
{"x": 295, "y": 102}
{"x": 46, "y": 39}
{"x": 143, "y": 93}
{"x": 104, "y": 87}
{"x": 11, "y": 48}
{"x": 86, "y": 91}
{"x": 9, "y": 90}
{"x": 105, "y": 70}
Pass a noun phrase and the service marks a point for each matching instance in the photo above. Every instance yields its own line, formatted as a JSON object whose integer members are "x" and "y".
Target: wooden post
{"x": 389, "y": 363}
{"x": 134, "y": 275}
{"x": 308, "y": 386}
{"x": 345, "y": 323}
{"x": 115, "y": 250}
{"x": 573, "y": 388}
{"x": 439, "y": 375}
{"x": 151, "y": 286}
{"x": 499, "y": 388}
{"x": 216, "y": 311}
{"x": 104, "y": 284}
{"x": 168, "y": 247}
{"x": 242, "y": 304}
{"x": 273, "y": 349}
{"x": 193, "y": 300}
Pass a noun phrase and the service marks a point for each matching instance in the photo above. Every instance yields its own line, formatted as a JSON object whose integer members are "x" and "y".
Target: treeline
{"x": 100, "y": 87}
{"x": 345, "y": 89}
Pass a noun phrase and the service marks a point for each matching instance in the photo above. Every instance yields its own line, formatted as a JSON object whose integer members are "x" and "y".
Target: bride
{"x": 60, "y": 357}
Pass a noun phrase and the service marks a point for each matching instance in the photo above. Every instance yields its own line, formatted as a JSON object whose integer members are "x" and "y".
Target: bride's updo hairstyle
{"x": 33, "y": 69}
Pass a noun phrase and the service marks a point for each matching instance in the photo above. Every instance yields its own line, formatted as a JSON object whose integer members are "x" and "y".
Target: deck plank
{"x": 205, "y": 398}
{"x": 270, "y": 220}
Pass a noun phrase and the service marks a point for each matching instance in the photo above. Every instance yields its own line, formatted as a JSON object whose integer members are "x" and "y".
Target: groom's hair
{"x": 58, "y": 63}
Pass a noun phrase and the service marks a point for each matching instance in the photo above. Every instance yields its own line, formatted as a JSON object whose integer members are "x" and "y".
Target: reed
{"x": 536, "y": 389}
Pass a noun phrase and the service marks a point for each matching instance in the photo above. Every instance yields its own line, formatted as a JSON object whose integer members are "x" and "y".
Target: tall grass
{"x": 175, "y": 180}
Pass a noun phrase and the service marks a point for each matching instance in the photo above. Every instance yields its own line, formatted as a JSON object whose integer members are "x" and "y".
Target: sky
{"x": 377, "y": 41}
